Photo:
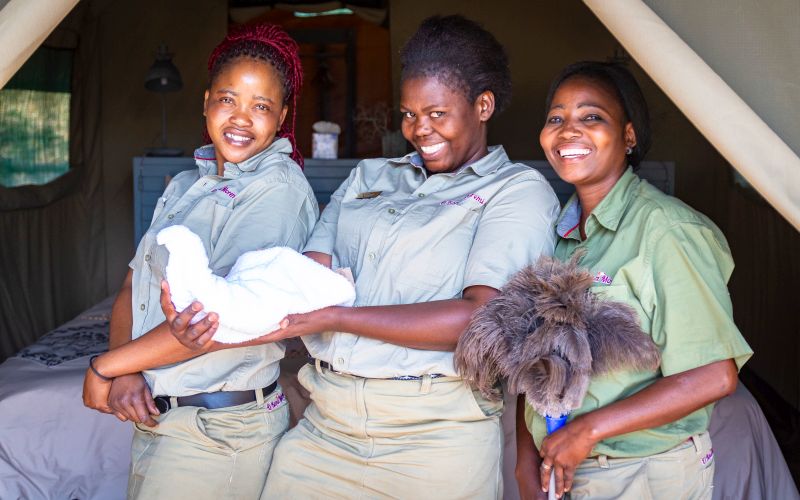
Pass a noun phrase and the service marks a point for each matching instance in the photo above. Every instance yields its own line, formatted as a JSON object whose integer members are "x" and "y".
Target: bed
{"x": 51, "y": 446}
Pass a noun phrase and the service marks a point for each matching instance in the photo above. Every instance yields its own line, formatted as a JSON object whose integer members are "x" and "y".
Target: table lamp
{"x": 163, "y": 77}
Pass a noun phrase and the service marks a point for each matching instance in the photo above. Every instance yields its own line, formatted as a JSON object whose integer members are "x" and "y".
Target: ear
{"x": 205, "y": 103}
{"x": 484, "y": 105}
{"x": 630, "y": 135}
{"x": 283, "y": 116}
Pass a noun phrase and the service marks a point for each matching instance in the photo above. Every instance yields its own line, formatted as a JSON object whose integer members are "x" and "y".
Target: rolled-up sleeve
{"x": 515, "y": 228}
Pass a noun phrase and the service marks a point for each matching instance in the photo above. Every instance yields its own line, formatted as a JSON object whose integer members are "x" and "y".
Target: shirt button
{"x": 339, "y": 361}
{"x": 371, "y": 256}
{"x": 171, "y": 216}
{"x": 141, "y": 307}
{"x": 147, "y": 258}
{"x": 392, "y": 210}
{"x": 421, "y": 195}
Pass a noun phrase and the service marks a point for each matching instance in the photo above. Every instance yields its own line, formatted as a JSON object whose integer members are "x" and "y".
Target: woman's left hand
{"x": 561, "y": 453}
{"x": 297, "y": 325}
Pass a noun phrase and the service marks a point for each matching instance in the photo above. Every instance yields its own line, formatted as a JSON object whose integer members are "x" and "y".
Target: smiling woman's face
{"x": 244, "y": 110}
{"x": 446, "y": 130}
{"x": 586, "y": 134}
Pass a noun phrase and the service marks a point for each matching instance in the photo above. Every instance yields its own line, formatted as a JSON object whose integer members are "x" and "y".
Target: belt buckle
{"x": 162, "y": 403}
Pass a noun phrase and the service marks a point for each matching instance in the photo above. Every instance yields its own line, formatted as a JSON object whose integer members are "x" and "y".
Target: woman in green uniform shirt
{"x": 637, "y": 434}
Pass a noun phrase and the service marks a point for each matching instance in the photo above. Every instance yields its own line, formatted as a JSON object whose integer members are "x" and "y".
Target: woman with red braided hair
{"x": 211, "y": 429}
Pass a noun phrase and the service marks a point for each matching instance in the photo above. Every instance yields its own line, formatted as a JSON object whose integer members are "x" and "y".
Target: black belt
{"x": 212, "y": 400}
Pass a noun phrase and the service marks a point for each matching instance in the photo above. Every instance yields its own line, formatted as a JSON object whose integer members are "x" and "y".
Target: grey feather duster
{"x": 547, "y": 334}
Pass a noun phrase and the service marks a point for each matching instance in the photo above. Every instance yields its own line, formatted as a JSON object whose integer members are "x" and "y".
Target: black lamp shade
{"x": 163, "y": 76}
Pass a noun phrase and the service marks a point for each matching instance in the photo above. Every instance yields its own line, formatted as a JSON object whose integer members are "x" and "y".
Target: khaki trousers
{"x": 198, "y": 453}
{"x": 684, "y": 472}
{"x": 375, "y": 438}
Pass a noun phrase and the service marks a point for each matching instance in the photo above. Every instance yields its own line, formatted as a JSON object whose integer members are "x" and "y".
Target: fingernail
{"x": 196, "y": 306}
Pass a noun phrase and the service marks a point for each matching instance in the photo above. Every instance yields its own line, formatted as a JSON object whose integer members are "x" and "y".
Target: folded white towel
{"x": 260, "y": 290}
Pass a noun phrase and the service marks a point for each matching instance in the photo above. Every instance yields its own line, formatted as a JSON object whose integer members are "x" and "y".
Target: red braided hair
{"x": 272, "y": 44}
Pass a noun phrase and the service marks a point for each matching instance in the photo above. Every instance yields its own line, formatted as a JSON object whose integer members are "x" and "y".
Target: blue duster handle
{"x": 553, "y": 424}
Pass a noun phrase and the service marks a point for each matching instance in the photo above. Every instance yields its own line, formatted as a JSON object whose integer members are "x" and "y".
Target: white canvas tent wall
{"x": 724, "y": 118}
{"x": 24, "y": 25}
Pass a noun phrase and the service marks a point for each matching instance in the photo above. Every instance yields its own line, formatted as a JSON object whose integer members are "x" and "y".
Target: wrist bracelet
{"x": 94, "y": 370}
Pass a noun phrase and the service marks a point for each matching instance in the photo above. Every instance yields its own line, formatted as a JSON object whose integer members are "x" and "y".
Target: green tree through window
{"x": 34, "y": 120}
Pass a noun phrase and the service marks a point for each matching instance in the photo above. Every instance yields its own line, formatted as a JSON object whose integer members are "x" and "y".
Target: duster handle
{"x": 553, "y": 424}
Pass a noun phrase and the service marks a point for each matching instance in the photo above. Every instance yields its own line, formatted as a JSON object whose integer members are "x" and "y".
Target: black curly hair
{"x": 627, "y": 90}
{"x": 462, "y": 55}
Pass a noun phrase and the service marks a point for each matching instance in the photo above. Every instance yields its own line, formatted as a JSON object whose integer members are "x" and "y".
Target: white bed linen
{"x": 51, "y": 446}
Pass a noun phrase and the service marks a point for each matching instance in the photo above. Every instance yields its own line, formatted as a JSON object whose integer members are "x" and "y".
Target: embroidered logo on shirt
{"x": 367, "y": 195}
{"x": 603, "y": 278}
{"x": 471, "y": 196}
{"x": 226, "y": 190}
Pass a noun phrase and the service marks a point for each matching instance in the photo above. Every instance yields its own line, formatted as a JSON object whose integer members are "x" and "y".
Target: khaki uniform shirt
{"x": 409, "y": 237}
{"x": 671, "y": 264}
{"x": 262, "y": 202}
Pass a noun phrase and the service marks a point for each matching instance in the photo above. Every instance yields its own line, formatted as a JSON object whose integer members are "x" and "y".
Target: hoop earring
{"x": 628, "y": 151}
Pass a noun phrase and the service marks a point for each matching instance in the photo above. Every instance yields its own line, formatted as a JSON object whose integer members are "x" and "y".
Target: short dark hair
{"x": 462, "y": 55}
{"x": 626, "y": 89}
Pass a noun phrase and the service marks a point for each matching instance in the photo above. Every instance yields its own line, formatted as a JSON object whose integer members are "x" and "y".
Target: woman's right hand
{"x": 196, "y": 337}
{"x": 130, "y": 399}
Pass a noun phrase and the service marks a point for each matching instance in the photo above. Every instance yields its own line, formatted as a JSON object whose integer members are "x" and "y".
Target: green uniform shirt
{"x": 409, "y": 237}
{"x": 671, "y": 264}
{"x": 262, "y": 202}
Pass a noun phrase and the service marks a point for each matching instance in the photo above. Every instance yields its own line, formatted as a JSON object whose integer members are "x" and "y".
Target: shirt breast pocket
{"x": 219, "y": 218}
{"x": 439, "y": 239}
{"x": 355, "y": 224}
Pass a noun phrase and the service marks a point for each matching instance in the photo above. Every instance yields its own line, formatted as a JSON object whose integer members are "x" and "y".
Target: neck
{"x": 591, "y": 195}
{"x": 220, "y": 167}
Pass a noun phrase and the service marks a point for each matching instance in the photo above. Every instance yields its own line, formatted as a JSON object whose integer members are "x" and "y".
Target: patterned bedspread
{"x": 67, "y": 343}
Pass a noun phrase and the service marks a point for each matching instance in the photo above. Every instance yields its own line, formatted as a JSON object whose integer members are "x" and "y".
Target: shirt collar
{"x": 608, "y": 212}
{"x": 206, "y": 159}
{"x": 489, "y": 164}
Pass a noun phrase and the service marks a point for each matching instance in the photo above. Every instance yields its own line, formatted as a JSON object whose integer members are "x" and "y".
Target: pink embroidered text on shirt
{"x": 225, "y": 190}
{"x": 276, "y": 402}
{"x": 708, "y": 457}
{"x": 462, "y": 200}
{"x": 602, "y": 278}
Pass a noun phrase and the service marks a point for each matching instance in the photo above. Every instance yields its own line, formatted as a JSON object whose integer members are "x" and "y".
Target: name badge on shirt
{"x": 368, "y": 194}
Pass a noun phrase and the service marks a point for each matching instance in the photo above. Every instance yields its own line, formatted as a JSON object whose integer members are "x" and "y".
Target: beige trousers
{"x": 375, "y": 438}
{"x": 198, "y": 454}
{"x": 684, "y": 472}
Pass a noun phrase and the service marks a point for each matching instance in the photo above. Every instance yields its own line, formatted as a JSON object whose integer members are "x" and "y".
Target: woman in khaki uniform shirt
{"x": 429, "y": 238}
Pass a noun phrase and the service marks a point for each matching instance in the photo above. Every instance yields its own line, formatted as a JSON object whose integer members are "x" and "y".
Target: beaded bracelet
{"x": 94, "y": 370}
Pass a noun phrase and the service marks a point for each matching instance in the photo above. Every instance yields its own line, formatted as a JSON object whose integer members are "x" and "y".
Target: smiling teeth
{"x": 237, "y": 138}
{"x": 429, "y": 150}
{"x": 571, "y": 153}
